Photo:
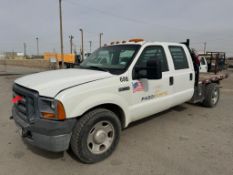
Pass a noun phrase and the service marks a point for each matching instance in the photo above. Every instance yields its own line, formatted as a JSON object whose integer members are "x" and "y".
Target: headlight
{"x": 51, "y": 109}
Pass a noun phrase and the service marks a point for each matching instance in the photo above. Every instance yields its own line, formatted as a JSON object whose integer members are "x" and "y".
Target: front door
{"x": 150, "y": 96}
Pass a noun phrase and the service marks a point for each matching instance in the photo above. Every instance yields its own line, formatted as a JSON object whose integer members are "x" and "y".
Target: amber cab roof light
{"x": 136, "y": 40}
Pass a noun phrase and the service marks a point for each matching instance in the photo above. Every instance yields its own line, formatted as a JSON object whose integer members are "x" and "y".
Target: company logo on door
{"x": 150, "y": 97}
{"x": 160, "y": 93}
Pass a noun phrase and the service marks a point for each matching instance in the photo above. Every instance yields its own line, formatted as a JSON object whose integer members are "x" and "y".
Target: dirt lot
{"x": 185, "y": 140}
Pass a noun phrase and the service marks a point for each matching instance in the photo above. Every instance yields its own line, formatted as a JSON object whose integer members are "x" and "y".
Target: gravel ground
{"x": 185, "y": 140}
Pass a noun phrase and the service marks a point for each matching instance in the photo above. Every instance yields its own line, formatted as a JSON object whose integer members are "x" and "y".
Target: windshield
{"x": 114, "y": 59}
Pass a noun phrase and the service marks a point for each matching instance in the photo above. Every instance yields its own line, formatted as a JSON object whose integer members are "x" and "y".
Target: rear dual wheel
{"x": 212, "y": 94}
{"x": 96, "y": 135}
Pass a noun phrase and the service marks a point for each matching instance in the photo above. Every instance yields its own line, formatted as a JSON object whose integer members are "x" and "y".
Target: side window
{"x": 179, "y": 57}
{"x": 153, "y": 52}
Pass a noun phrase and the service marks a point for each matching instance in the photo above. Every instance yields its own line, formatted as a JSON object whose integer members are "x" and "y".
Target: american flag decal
{"x": 137, "y": 86}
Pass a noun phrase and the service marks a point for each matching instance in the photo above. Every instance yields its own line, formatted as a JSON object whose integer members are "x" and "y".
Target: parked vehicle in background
{"x": 203, "y": 64}
{"x": 216, "y": 61}
{"x": 86, "y": 108}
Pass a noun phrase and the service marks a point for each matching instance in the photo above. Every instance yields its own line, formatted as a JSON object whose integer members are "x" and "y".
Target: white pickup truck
{"x": 87, "y": 107}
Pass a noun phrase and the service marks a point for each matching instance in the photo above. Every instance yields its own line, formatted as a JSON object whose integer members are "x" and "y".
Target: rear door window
{"x": 179, "y": 57}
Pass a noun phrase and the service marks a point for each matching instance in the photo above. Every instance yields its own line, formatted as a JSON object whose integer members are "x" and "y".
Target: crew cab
{"x": 86, "y": 108}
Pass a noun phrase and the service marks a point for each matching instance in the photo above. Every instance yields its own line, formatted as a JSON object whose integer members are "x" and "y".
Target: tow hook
{"x": 25, "y": 133}
{"x": 11, "y": 117}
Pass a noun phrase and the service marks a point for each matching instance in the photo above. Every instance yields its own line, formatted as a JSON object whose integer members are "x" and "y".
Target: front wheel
{"x": 96, "y": 135}
{"x": 212, "y": 94}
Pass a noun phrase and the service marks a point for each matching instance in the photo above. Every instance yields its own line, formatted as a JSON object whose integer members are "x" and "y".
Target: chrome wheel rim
{"x": 100, "y": 137}
{"x": 215, "y": 96}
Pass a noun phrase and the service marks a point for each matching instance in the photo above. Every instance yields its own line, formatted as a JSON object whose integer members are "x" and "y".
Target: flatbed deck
{"x": 208, "y": 77}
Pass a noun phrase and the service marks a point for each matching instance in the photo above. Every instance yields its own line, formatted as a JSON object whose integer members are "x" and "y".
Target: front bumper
{"x": 49, "y": 135}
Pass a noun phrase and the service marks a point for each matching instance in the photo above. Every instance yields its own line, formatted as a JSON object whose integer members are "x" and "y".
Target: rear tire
{"x": 96, "y": 135}
{"x": 212, "y": 94}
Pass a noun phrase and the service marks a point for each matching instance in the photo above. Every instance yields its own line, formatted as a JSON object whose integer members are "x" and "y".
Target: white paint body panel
{"x": 50, "y": 83}
{"x": 81, "y": 90}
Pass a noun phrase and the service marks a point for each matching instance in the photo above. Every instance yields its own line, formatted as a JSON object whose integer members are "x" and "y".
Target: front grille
{"x": 25, "y": 108}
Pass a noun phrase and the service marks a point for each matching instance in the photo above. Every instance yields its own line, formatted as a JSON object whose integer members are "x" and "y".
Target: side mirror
{"x": 154, "y": 69}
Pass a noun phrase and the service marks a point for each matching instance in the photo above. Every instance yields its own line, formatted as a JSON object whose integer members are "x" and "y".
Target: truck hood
{"x": 50, "y": 83}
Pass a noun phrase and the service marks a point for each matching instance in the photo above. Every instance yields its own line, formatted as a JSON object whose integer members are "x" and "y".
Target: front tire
{"x": 96, "y": 135}
{"x": 212, "y": 94}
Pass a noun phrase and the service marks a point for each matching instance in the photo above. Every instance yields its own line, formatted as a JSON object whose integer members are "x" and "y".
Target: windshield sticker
{"x": 137, "y": 86}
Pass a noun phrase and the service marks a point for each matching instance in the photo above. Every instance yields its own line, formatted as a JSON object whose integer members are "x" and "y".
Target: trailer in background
{"x": 216, "y": 61}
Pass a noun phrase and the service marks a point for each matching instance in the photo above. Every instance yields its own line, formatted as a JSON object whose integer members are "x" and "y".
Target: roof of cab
{"x": 140, "y": 41}
{"x": 143, "y": 43}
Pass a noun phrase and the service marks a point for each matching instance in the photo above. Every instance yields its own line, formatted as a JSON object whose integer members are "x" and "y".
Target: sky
{"x": 21, "y": 21}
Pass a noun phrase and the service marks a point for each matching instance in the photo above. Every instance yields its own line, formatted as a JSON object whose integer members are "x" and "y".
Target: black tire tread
{"x": 77, "y": 132}
{"x": 208, "y": 95}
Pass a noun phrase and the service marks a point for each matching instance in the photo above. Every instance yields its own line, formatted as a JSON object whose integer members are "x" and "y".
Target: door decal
{"x": 137, "y": 86}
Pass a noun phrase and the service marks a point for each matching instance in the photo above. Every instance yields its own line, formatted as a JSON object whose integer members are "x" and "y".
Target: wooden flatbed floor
{"x": 208, "y": 77}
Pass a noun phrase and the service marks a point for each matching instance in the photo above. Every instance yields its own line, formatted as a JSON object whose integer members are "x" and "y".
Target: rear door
{"x": 183, "y": 74}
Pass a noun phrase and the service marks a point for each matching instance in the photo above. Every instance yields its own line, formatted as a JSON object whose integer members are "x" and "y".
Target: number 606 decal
{"x": 124, "y": 79}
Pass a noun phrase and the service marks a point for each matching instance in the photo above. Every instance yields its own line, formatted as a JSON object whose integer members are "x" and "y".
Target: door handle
{"x": 171, "y": 81}
{"x": 190, "y": 76}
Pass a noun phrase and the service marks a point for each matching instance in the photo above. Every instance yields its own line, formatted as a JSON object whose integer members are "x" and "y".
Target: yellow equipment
{"x": 68, "y": 58}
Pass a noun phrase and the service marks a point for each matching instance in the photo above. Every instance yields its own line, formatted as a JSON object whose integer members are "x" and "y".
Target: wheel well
{"x": 114, "y": 108}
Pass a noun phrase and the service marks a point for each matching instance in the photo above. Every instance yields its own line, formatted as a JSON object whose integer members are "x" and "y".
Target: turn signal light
{"x": 48, "y": 115}
{"x": 61, "y": 115}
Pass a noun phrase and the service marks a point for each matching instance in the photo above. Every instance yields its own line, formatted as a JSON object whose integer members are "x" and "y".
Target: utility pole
{"x": 71, "y": 43}
{"x": 82, "y": 49}
{"x": 205, "y": 47}
{"x": 37, "y": 45}
{"x": 61, "y": 34}
{"x": 75, "y": 49}
{"x": 90, "y": 42}
{"x": 101, "y": 34}
{"x": 25, "y": 49}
